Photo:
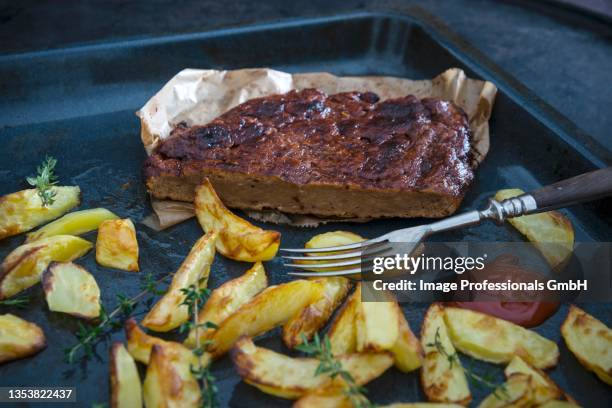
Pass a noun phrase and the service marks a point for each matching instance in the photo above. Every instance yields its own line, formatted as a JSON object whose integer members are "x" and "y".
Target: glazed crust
{"x": 304, "y": 146}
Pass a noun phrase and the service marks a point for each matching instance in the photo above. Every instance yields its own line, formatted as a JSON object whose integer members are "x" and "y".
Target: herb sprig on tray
{"x": 479, "y": 381}
{"x": 194, "y": 297}
{"x": 44, "y": 181}
{"x": 18, "y": 302}
{"x": 321, "y": 350}
{"x": 89, "y": 336}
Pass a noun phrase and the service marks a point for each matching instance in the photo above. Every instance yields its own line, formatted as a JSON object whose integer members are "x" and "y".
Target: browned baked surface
{"x": 344, "y": 155}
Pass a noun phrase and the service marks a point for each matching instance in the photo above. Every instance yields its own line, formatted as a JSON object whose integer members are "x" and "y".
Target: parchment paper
{"x": 196, "y": 97}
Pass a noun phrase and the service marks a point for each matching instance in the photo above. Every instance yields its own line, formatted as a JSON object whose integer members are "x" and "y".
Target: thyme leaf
{"x": 44, "y": 181}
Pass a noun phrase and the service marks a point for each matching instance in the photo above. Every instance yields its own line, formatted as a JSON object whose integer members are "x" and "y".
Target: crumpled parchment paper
{"x": 197, "y": 96}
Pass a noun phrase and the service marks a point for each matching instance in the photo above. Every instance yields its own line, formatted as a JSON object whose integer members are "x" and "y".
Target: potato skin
{"x": 126, "y": 390}
{"x": 19, "y": 338}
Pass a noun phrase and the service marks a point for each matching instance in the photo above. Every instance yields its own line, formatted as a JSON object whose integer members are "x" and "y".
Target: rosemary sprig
{"x": 321, "y": 350}
{"x": 194, "y": 297}
{"x": 18, "y": 302}
{"x": 479, "y": 381}
{"x": 44, "y": 180}
{"x": 87, "y": 336}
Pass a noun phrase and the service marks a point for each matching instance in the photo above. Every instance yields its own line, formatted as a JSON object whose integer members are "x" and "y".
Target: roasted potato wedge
{"x": 24, "y": 266}
{"x": 496, "y": 340}
{"x": 227, "y": 298}
{"x": 19, "y": 338}
{"x": 377, "y": 325}
{"x": 539, "y": 377}
{"x": 590, "y": 341}
{"x": 23, "y": 210}
{"x": 287, "y": 377}
{"x": 69, "y": 288}
{"x": 238, "y": 239}
{"x": 407, "y": 350}
{"x": 329, "y": 239}
{"x": 273, "y": 307}
{"x": 520, "y": 390}
{"x": 140, "y": 345}
{"x": 551, "y": 232}
{"x": 441, "y": 381}
{"x": 559, "y": 404}
{"x": 343, "y": 332}
{"x": 117, "y": 246}
{"x": 74, "y": 223}
{"x": 327, "y": 397}
{"x": 169, "y": 382}
{"x": 126, "y": 390}
{"x": 168, "y": 313}
{"x": 421, "y": 405}
{"x": 314, "y": 316}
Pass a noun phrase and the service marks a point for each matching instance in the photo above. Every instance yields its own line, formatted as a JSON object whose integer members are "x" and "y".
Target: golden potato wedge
{"x": 227, "y": 298}
{"x": 273, "y": 307}
{"x": 74, "y": 223}
{"x": 551, "y": 232}
{"x": 288, "y": 377}
{"x": 559, "y": 404}
{"x": 377, "y": 325}
{"x": 23, "y": 210}
{"x": 421, "y": 405}
{"x": 168, "y": 313}
{"x": 126, "y": 390}
{"x": 140, "y": 345}
{"x": 238, "y": 239}
{"x": 496, "y": 340}
{"x": 441, "y": 380}
{"x": 169, "y": 382}
{"x": 327, "y": 397}
{"x": 329, "y": 239}
{"x": 540, "y": 379}
{"x": 24, "y": 266}
{"x": 519, "y": 390}
{"x": 313, "y": 317}
{"x": 19, "y": 338}
{"x": 117, "y": 246}
{"x": 70, "y": 289}
{"x": 343, "y": 332}
{"x": 407, "y": 350}
{"x": 590, "y": 341}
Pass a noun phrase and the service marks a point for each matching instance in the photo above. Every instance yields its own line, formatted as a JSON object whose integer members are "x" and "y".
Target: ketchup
{"x": 526, "y": 314}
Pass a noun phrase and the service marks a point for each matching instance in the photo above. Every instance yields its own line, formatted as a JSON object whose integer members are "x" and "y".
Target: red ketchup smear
{"x": 526, "y": 314}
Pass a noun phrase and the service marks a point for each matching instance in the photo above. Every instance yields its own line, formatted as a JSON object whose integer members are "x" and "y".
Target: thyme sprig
{"x": 479, "y": 381}
{"x": 44, "y": 181}
{"x": 194, "y": 297}
{"x": 18, "y": 302}
{"x": 321, "y": 350}
{"x": 89, "y": 336}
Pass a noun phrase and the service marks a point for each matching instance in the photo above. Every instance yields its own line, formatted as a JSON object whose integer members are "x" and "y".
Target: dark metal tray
{"x": 77, "y": 104}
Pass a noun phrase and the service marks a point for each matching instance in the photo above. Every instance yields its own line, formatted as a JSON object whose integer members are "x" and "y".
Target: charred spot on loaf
{"x": 350, "y": 138}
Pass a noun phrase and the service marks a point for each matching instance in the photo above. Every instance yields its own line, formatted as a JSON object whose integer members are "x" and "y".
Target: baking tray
{"x": 78, "y": 105}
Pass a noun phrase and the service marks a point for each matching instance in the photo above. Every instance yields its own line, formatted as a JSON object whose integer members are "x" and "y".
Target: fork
{"x": 585, "y": 187}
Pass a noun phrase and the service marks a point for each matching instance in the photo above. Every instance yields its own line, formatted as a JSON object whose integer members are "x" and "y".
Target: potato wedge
{"x": 377, "y": 325}
{"x": 314, "y": 316}
{"x": 590, "y": 341}
{"x": 407, "y": 350}
{"x": 559, "y": 404}
{"x": 74, "y": 223}
{"x": 70, "y": 289}
{"x": 420, "y": 405}
{"x": 140, "y": 345}
{"x": 227, "y": 298}
{"x": 168, "y": 313}
{"x": 23, "y": 210}
{"x": 24, "y": 266}
{"x": 238, "y": 239}
{"x": 273, "y": 307}
{"x": 126, "y": 390}
{"x": 343, "y": 332}
{"x": 519, "y": 390}
{"x": 329, "y": 239}
{"x": 169, "y": 382}
{"x": 496, "y": 340}
{"x": 328, "y": 397}
{"x": 19, "y": 338}
{"x": 539, "y": 377}
{"x": 117, "y": 246}
{"x": 287, "y": 377}
{"x": 441, "y": 381}
{"x": 551, "y": 232}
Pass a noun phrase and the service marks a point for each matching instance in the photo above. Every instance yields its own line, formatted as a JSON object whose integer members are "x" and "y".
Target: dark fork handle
{"x": 585, "y": 187}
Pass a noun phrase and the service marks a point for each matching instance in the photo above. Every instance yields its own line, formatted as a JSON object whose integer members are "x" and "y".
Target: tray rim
{"x": 577, "y": 139}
